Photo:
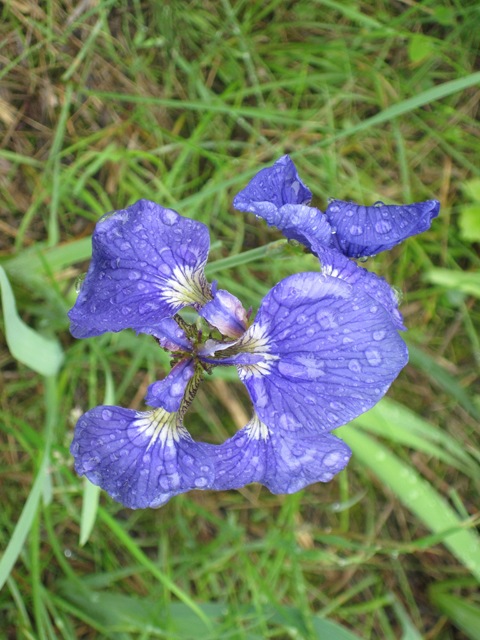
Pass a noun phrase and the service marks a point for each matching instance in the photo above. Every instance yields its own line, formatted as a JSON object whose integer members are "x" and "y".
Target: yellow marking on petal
{"x": 186, "y": 286}
{"x": 256, "y": 428}
{"x": 328, "y": 270}
{"x": 158, "y": 425}
{"x": 255, "y": 340}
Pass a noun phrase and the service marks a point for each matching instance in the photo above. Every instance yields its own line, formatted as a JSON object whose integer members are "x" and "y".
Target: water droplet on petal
{"x": 332, "y": 459}
{"x": 106, "y": 414}
{"x": 169, "y": 216}
{"x": 79, "y": 282}
{"x": 383, "y": 226}
{"x": 379, "y": 335}
{"x": 354, "y": 366}
{"x": 201, "y": 482}
{"x": 356, "y": 230}
{"x": 363, "y": 259}
{"x": 373, "y": 356}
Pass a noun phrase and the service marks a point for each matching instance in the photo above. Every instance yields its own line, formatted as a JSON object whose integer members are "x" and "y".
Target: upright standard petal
{"x": 168, "y": 393}
{"x": 283, "y": 464}
{"x": 278, "y": 195}
{"x": 365, "y": 231}
{"x": 147, "y": 264}
{"x": 141, "y": 459}
{"x": 337, "y": 265}
{"x": 226, "y": 313}
{"x": 328, "y": 354}
{"x": 275, "y": 186}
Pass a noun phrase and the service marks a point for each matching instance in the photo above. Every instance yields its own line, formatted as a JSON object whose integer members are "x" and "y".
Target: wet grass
{"x": 103, "y": 103}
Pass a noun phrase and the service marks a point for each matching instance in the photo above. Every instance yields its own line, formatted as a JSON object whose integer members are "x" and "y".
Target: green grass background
{"x": 103, "y": 102}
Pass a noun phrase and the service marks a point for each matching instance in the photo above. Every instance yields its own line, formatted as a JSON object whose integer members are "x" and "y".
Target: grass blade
{"x": 417, "y": 495}
{"x": 138, "y": 554}
{"x": 91, "y": 492}
{"x": 244, "y": 257}
{"x": 465, "y": 615}
{"x": 27, "y": 516}
{"x": 444, "y": 379}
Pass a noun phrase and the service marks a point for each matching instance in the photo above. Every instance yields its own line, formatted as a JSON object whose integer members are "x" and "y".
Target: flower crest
{"x": 322, "y": 349}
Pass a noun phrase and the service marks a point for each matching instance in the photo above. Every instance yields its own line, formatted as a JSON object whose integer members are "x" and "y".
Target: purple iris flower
{"x": 278, "y": 195}
{"x": 323, "y": 348}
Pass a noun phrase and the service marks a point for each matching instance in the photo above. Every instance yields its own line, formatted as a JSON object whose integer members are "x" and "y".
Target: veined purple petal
{"x": 283, "y": 464}
{"x": 244, "y": 458}
{"x": 329, "y": 354}
{"x": 305, "y": 224}
{"x": 337, "y": 265}
{"x": 276, "y": 186}
{"x": 141, "y": 459}
{"x": 169, "y": 335}
{"x": 365, "y": 231}
{"x": 278, "y": 195}
{"x": 168, "y": 393}
{"x": 147, "y": 263}
{"x": 226, "y": 313}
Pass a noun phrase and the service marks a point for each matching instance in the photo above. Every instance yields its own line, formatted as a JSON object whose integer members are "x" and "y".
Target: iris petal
{"x": 226, "y": 313}
{"x": 141, "y": 459}
{"x": 168, "y": 393}
{"x": 275, "y": 186}
{"x": 329, "y": 354}
{"x": 283, "y": 464}
{"x": 365, "y": 231}
{"x": 337, "y": 265}
{"x": 278, "y": 195}
{"x": 147, "y": 263}
{"x": 169, "y": 335}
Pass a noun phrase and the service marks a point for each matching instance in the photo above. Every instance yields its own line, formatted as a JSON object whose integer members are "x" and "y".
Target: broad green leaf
{"x": 469, "y": 222}
{"x": 420, "y": 47}
{"x": 472, "y": 188}
{"x": 328, "y": 630}
{"x": 416, "y": 494}
{"x": 465, "y": 615}
{"x": 395, "y": 422}
{"x": 466, "y": 281}
{"x": 111, "y": 611}
{"x": 43, "y": 355}
{"x": 25, "y": 521}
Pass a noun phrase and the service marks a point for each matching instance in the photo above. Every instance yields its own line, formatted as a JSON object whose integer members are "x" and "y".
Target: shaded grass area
{"x": 103, "y": 103}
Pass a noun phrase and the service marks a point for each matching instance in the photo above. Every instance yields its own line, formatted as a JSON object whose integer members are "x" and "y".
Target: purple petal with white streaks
{"x": 278, "y": 195}
{"x": 329, "y": 354}
{"x": 365, "y": 231}
{"x": 226, "y": 313}
{"x": 168, "y": 393}
{"x": 147, "y": 264}
{"x": 275, "y": 186}
{"x": 169, "y": 335}
{"x": 141, "y": 459}
{"x": 337, "y": 265}
{"x": 283, "y": 464}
